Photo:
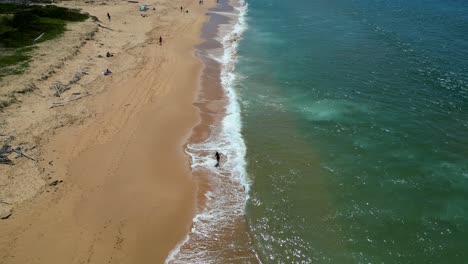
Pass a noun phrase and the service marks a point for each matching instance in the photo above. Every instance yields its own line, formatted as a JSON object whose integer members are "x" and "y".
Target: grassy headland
{"x": 22, "y": 25}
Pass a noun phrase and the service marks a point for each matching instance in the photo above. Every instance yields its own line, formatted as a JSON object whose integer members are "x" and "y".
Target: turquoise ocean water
{"x": 355, "y": 119}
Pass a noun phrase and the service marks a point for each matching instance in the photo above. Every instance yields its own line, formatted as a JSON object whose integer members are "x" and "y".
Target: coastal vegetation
{"x": 23, "y": 26}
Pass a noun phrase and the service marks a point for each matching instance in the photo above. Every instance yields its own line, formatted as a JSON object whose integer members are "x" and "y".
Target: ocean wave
{"x": 226, "y": 200}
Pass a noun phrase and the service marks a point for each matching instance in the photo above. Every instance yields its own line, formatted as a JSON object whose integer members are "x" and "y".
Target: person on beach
{"x": 160, "y": 40}
{"x": 107, "y": 72}
{"x": 181, "y": 9}
{"x": 218, "y": 157}
{"x": 108, "y": 17}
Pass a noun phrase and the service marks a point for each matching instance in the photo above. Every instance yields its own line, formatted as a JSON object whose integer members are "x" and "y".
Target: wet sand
{"x": 232, "y": 242}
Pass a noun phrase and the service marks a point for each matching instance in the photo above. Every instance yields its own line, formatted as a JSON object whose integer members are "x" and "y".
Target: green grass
{"x": 14, "y": 61}
{"x": 20, "y": 25}
{"x": 4, "y": 24}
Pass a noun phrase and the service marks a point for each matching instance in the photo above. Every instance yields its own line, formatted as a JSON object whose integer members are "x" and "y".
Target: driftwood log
{"x": 6, "y": 150}
{"x": 38, "y": 38}
{"x": 19, "y": 152}
{"x": 57, "y": 104}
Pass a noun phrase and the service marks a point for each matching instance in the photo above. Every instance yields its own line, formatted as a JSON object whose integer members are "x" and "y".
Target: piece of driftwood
{"x": 38, "y": 38}
{"x": 19, "y": 152}
{"x": 57, "y": 88}
{"x": 66, "y": 102}
{"x": 5, "y": 150}
{"x": 6, "y": 161}
{"x": 55, "y": 183}
{"x": 105, "y": 27}
{"x": 7, "y": 216}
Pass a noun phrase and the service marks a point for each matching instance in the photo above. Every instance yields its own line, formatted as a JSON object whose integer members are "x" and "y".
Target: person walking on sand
{"x": 109, "y": 17}
{"x": 181, "y": 9}
{"x": 160, "y": 40}
{"x": 218, "y": 157}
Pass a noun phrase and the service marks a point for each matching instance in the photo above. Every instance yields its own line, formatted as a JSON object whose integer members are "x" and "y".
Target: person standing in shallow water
{"x": 217, "y": 156}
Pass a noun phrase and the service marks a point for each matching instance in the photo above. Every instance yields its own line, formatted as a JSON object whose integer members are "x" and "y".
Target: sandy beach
{"x": 111, "y": 183}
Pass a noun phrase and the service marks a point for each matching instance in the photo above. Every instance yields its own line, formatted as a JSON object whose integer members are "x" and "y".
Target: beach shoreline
{"x": 124, "y": 190}
{"x": 219, "y": 232}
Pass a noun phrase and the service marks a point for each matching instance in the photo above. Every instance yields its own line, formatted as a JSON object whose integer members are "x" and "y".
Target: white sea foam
{"x": 229, "y": 183}
{"x": 228, "y": 14}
